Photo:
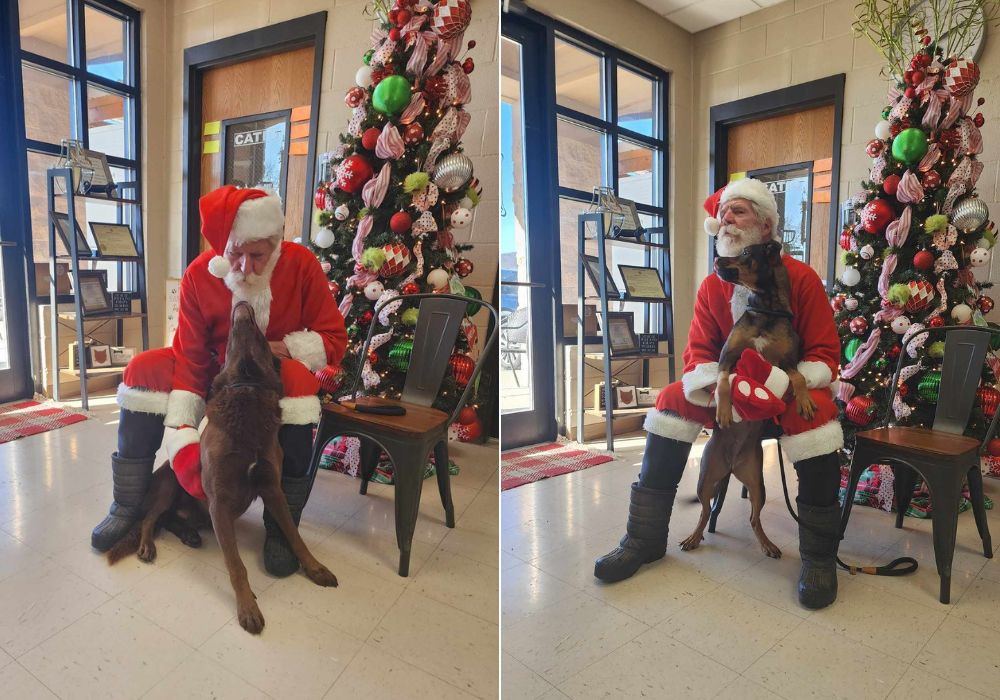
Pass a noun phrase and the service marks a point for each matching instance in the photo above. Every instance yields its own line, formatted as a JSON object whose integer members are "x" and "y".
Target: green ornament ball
{"x": 367, "y": 58}
{"x": 409, "y": 317}
{"x": 910, "y": 145}
{"x": 399, "y": 355}
{"x": 851, "y": 348}
{"x": 936, "y": 349}
{"x": 352, "y": 331}
{"x": 881, "y": 363}
{"x": 373, "y": 259}
{"x": 898, "y": 294}
{"x": 473, "y": 293}
{"x": 885, "y": 113}
{"x": 930, "y": 386}
{"x": 392, "y": 94}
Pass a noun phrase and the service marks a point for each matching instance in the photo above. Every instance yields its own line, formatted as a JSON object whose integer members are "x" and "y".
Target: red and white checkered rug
{"x": 23, "y": 418}
{"x": 523, "y": 466}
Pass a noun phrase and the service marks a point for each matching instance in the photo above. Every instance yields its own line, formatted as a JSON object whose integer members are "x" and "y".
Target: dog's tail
{"x": 129, "y": 544}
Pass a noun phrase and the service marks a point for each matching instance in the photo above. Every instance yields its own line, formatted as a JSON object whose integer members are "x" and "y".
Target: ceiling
{"x": 696, "y": 15}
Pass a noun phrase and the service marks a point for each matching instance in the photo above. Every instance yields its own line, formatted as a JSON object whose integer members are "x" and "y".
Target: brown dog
{"x": 766, "y": 326}
{"x": 240, "y": 460}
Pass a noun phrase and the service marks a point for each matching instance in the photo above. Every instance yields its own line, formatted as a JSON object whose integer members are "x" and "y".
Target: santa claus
{"x": 166, "y": 387}
{"x": 741, "y": 214}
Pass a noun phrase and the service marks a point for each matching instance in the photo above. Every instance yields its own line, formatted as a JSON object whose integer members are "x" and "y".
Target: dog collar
{"x": 771, "y": 312}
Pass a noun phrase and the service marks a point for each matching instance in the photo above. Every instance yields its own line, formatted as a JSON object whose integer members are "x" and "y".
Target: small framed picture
{"x": 594, "y": 271}
{"x": 98, "y": 356}
{"x": 94, "y": 297}
{"x": 620, "y": 329}
{"x": 625, "y": 396}
{"x": 102, "y": 183}
{"x": 121, "y": 302}
{"x": 624, "y": 218}
{"x": 114, "y": 240}
{"x": 121, "y": 355}
{"x": 62, "y": 225}
{"x": 642, "y": 283}
{"x": 649, "y": 343}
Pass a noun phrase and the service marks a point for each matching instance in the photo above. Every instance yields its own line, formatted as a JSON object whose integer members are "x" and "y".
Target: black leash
{"x": 900, "y": 566}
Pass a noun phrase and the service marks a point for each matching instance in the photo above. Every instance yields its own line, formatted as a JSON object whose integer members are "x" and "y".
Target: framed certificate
{"x": 114, "y": 240}
{"x": 594, "y": 271}
{"x": 624, "y": 216}
{"x": 620, "y": 329}
{"x": 102, "y": 183}
{"x": 642, "y": 283}
{"x": 62, "y": 225}
{"x": 93, "y": 292}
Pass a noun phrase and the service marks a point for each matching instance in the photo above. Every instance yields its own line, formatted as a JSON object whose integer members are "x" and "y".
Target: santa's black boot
{"x": 649, "y": 510}
{"x": 296, "y": 483}
{"x": 819, "y": 529}
{"x": 139, "y": 436}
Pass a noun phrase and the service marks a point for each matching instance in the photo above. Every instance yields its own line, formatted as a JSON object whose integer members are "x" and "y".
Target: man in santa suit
{"x": 747, "y": 214}
{"x": 166, "y": 387}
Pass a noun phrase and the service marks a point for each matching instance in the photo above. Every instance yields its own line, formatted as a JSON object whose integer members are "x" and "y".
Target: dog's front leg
{"x": 274, "y": 501}
{"x": 247, "y": 611}
{"x": 724, "y": 409}
{"x": 803, "y": 401}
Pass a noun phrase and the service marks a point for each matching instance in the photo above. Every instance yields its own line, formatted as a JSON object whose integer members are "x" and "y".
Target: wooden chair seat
{"x": 921, "y": 441}
{"x": 419, "y": 420}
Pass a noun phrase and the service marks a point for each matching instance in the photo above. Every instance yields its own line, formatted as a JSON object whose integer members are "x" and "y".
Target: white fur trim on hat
{"x": 140, "y": 400}
{"x": 712, "y": 226}
{"x": 755, "y": 191}
{"x": 695, "y": 381}
{"x": 670, "y": 425}
{"x": 825, "y": 439}
{"x": 817, "y": 374}
{"x": 300, "y": 410}
{"x": 308, "y": 348}
{"x": 219, "y": 266}
{"x": 258, "y": 218}
{"x": 181, "y": 439}
{"x": 184, "y": 408}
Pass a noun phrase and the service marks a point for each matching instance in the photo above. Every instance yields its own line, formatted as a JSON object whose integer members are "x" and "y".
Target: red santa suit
{"x": 684, "y": 407}
{"x": 296, "y": 308}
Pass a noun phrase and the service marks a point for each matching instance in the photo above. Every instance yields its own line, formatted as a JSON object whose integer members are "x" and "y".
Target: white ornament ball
{"x": 363, "y": 77}
{"x": 984, "y": 243}
{"x": 866, "y": 252}
{"x": 373, "y": 290}
{"x": 900, "y": 324}
{"x": 979, "y": 257}
{"x": 297, "y": 239}
{"x": 961, "y": 313}
{"x": 437, "y": 278}
{"x": 323, "y": 238}
{"x": 850, "y": 303}
{"x": 466, "y": 203}
{"x": 461, "y": 217}
{"x": 850, "y": 276}
{"x": 882, "y": 130}
{"x": 341, "y": 213}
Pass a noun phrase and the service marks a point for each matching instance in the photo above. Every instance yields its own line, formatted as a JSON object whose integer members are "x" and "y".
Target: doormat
{"x": 23, "y": 418}
{"x": 523, "y": 466}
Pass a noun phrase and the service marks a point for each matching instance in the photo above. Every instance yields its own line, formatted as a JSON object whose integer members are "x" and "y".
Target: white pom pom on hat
{"x": 219, "y": 266}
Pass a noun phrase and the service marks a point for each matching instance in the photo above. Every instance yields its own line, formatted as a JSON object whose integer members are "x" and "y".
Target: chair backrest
{"x": 961, "y": 370}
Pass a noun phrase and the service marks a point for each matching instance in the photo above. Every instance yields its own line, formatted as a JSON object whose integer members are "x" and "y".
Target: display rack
{"x": 666, "y": 305}
{"x": 75, "y": 257}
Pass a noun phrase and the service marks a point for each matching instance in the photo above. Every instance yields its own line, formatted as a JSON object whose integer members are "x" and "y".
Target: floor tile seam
{"x": 197, "y": 652}
{"x": 751, "y": 680}
{"x": 603, "y": 656}
{"x": 36, "y": 678}
{"x": 813, "y": 623}
{"x": 683, "y": 606}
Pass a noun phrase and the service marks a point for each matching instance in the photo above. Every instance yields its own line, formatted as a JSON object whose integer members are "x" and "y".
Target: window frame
{"x": 79, "y": 79}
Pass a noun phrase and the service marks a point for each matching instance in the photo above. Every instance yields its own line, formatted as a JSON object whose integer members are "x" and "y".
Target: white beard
{"x": 731, "y": 240}
{"x": 255, "y": 290}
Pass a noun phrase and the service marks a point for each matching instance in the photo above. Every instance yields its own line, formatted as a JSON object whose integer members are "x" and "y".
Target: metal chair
{"x": 514, "y": 339}
{"x": 942, "y": 455}
{"x": 408, "y": 439}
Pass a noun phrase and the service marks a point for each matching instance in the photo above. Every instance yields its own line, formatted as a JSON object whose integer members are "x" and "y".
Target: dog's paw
{"x": 691, "y": 542}
{"x": 724, "y": 418}
{"x": 771, "y": 549}
{"x": 806, "y": 406}
{"x": 191, "y": 538}
{"x": 251, "y": 618}
{"x": 146, "y": 552}
{"x": 321, "y": 576}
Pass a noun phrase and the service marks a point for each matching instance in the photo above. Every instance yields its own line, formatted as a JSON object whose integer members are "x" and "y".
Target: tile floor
{"x": 73, "y": 627}
{"x": 722, "y": 621}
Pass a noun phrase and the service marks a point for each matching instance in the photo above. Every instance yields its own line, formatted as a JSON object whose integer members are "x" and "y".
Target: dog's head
{"x": 754, "y": 268}
{"x": 248, "y": 355}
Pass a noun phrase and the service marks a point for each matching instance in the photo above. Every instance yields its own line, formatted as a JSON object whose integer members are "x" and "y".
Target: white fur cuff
{"x": 307, "y": 347}
{"x": 184, "y": 408}
{"x": 142, "y": 400}
{"x": 670, "y": 425}
{"x": 817, "y": 374}
{"x": 179, "y": 439}
{"x": 300, "y": 410}
{"x": 695, "y": 381}
{"x": 823, "y": 440}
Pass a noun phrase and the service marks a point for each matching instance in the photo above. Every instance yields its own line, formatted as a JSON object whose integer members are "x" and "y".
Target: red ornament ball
{"x": 874, "y": 148}
{"x": 876, "y": 215}
{"x": 845, "y": 239}
{"x": 320, "y": 197}
{"x": 353, "y": 173}
{"x": 334, "y": 288}
{"x": 936, "y": 322}
{"x": 837, "y": 302}
{"x": 926, "y": 41}
{"x": 989, "y": 400}
{"x": 993, "y": 447}
{"x": 373, "y": 358}
{"x": 916, "y": 78}
{"x": 451, "y": 17}
{"x": 397, "y": 257}
{"x": 463, "y": 267}
{"x": 402, "y": 17}
{"x": 394, "y": 15}
{"x": 891, "y": 184}
{"x": 923, "y": 260}
{"x": 859, "y": 324}
{"x": 467, "y": 415}
{"x": 410, "y": 288}
{"x": 985, "y": 304}
{"x": 367, "y": 317}
{"x": 394, "y": 36}
{"x": 370, "y": 138}
{"x": 860, "y": 410}
{"x": 894, "y": 352}
{"x": 461, "y": 366}
{"x": 329, "y": 378}
{"x": 931, "y": 179}
{"x": 910, "y": 93}
{"x": 979, "y": 120}
{"x": 902, "y": 390}
{"x": 413, "y": 134}
{"x": 921, "y": 295}
{"x": 468, "y": 65}
{"x": 354, "y": 97}
{"x": 401, "y": 221}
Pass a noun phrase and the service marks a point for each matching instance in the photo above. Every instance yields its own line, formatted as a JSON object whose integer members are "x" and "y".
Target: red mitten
{"x": 757, "y": 387}
{"x": 184, "y": 448}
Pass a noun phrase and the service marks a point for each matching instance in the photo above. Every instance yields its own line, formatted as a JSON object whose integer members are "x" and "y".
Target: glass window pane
{"x": 635, "y": 102}
{"x": 106, "y": 121}
{"x": 581, "y": 156}
{"x": 569, "y": 249}
{"x": 578, "y": 79}
{"x": 47, "y": 100}
{"x": 635, "y": 172}
{"x": 105, "y": 44}
{"x": 38, "y": 163}
{"x": 791, "y": 192}
{"x": 43, "y": 28}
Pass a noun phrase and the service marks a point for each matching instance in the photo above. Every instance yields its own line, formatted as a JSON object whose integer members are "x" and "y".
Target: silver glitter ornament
{"x": 452, "y": 172}
{"x": 969, "y": 214}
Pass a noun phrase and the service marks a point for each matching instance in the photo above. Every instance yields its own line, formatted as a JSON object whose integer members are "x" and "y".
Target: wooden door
{"x": 280, "y": 82}
{"x": 805, "y": 136}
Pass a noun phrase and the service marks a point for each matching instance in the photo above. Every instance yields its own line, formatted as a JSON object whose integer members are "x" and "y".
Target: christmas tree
{"x": 922, "y": 229}
{"x": 396, "y": 189}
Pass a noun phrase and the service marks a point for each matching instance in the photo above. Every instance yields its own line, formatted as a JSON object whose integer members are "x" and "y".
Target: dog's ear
{"x": 773, "y": 250}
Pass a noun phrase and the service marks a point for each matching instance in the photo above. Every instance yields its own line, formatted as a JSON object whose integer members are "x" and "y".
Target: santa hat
{"x": 230, "y": 214}
{"x": 752, "y": 190}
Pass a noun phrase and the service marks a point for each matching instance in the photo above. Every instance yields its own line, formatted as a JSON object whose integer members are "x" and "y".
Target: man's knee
{"x": 300, "y": 403}
{"x": 147, "y": 382}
